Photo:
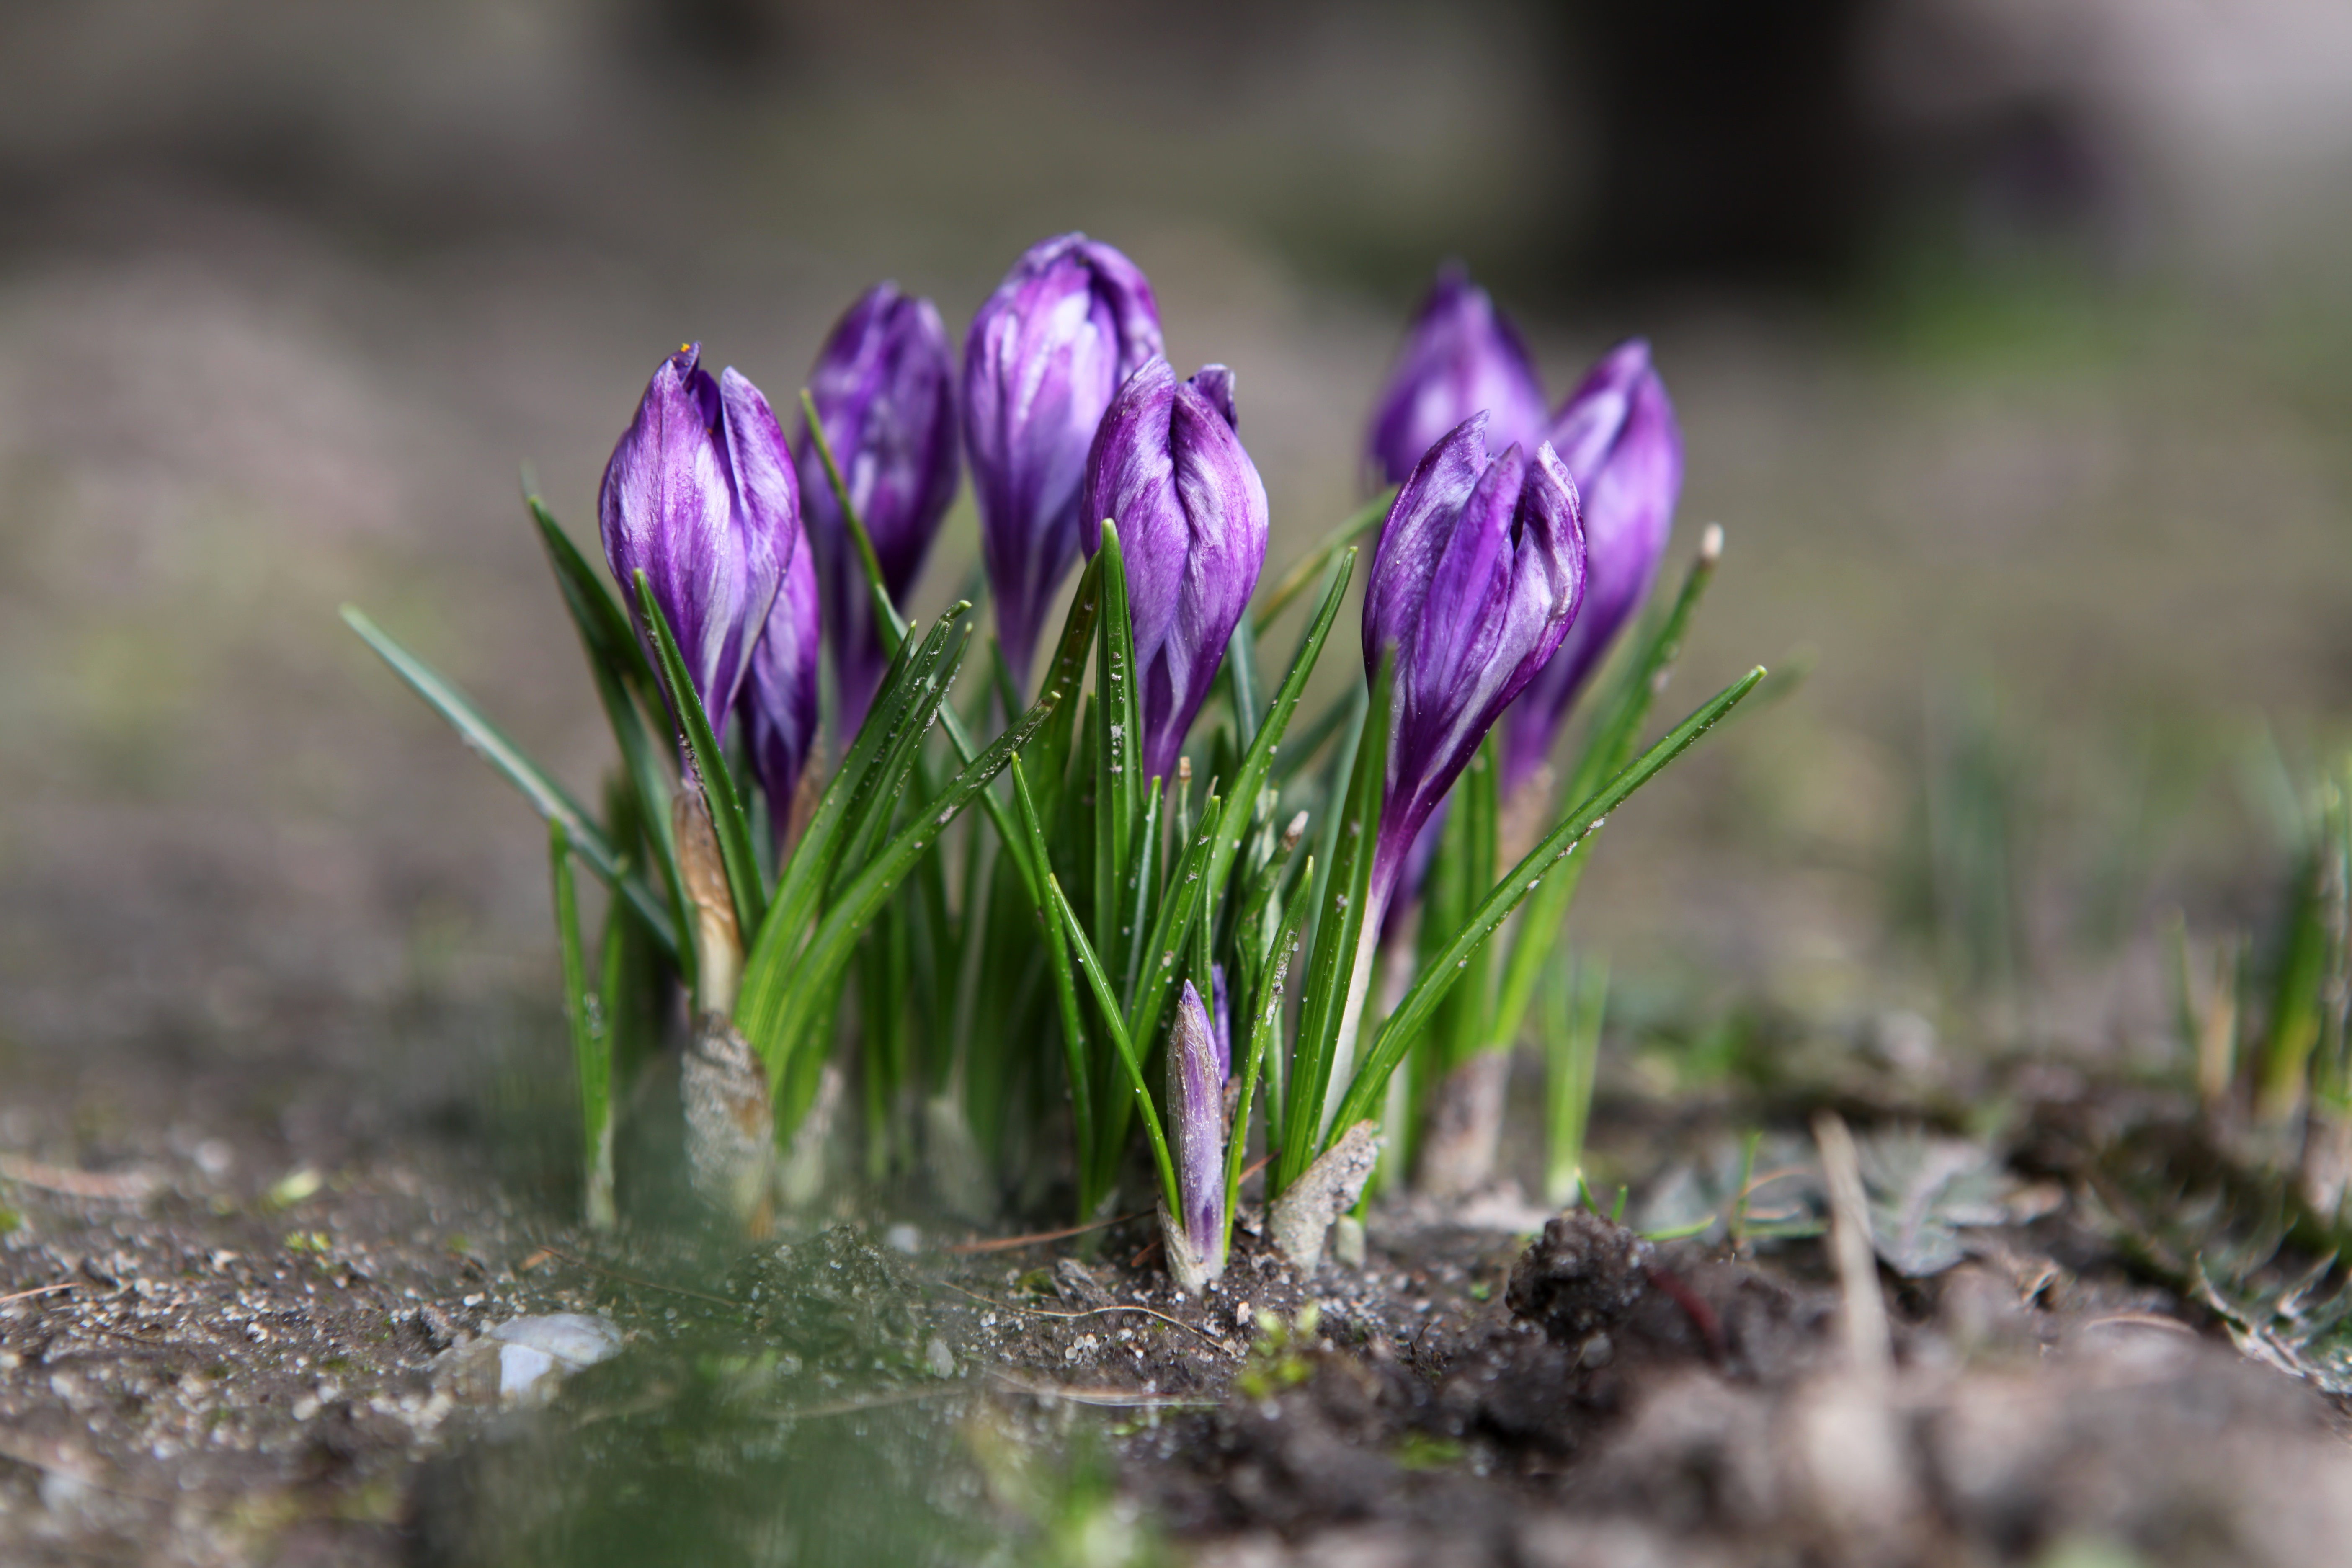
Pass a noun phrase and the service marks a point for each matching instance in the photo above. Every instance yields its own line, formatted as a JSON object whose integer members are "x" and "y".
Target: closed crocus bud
{"x": 1477, "y": 577}
{"x": 1618, "y": 436}
{"x": 884, "y": 386}
{"x": 780, "y": 705}
{"x": 1196, "y": 1132}
{"x": 1461, "y": 356}
{"x": 700, "y": 496}
{"x": 1071, "y": 321}
{"x": 1169, "y": 469}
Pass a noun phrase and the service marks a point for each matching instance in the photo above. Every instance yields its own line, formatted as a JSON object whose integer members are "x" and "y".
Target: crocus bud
{"x": 1196, "y": 1133}
{"x": 1168, "y": 467}
{"x": 1618, "y": 437}
{"x": 1478, "y": 574}
{"x": 1071, "y": 321}
{"x": 1461, "y": 355}
{"x": 780, "y": 705}
{"x": 700, "y": 496}
{"x": 884, "y": 386}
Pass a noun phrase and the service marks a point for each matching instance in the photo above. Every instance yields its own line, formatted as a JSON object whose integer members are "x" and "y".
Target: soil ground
{"x": 232, "y": 1353}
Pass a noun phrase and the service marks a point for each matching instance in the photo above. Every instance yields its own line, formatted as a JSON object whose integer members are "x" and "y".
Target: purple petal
{"x": 780, "y": 696}
{"x": 1475, "y": 591}
{"x": 1071, "y": 321}
{"x": 1619, "y": 436}
{"x": 1461, "y": 356}
{"x": 1167, "y": 465}
{"x": 1196, "y": 1121}
{"x": 884, "y": 386}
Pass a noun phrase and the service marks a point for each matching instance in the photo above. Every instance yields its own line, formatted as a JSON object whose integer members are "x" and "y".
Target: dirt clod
{"x": 1581, "y": 1279}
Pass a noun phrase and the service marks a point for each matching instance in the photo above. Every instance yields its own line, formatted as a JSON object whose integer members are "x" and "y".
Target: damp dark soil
{"x": 208, "y": 1357}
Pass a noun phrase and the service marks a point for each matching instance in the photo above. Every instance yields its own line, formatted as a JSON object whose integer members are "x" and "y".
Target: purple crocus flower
{"x": 700, "y": 496}
{"x": 1169, "y": 469}
{"x": 1461, "y": 355}
{"x": 883, "y": 385}
{"x": 1478, "y": 575}
{"x": 1618, "y": 436}
{"x": 1196, "y": 1133}
{"x": 1071, "y": 321}
{"x": 779, "y": 706}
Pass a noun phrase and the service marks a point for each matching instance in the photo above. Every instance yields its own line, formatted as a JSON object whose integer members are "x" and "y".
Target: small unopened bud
{"x": 1710, "y": 543}
{"x": 1196, "y": 1126}
{"x": 1183, "y": 770}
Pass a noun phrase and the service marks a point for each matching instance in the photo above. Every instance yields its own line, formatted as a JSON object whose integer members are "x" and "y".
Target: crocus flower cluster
{"x": 1616, "y": 436}
{"x": 1070, "y": 415}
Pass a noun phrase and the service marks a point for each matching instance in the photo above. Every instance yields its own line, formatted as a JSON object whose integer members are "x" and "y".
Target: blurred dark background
{"x": 2009, "y": 338}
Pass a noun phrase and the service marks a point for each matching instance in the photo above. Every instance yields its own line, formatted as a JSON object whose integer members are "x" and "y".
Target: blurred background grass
{"x": 2010, "y": 337}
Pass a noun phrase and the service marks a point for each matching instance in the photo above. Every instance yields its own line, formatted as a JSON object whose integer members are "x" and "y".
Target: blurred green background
{"x": 2009, "y": 338}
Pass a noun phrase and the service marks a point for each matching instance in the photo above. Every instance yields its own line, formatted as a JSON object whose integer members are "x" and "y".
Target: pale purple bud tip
{"x": 1619, "y": 439}
{"x": 1478, "y": 574}
{"x": 1071, "y": 321}
{"x": 780, "y": 702}
{"x": 1168, "y": 467}
{"x": 700, "y": 496}
{"x": 1196, "y": 1121}
{"x": 1461, "y": 356}
{"x": 884, "y": 386}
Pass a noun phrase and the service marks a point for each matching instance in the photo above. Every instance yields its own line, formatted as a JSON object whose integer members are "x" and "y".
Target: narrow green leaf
{"x": 776, "y": 1012}
{"x": 1247, "y": 691}
{"x": 592, "y": 1059}
{"x": 1066, "y": 992}
{"x": 1049, "y": 758}
{"x": 875, "y": 804}
{"x": 887, "y": 619}
{"x": 1107, "y": 1006}
{"x": 1334, "y": 973}
{"x": 1397, "y": 1034}
{"x": 1266, "y": 1025}
{"x": 491, "y": 744}
{"x": 1294, "y": 582}
{"x": 1611, "y": 745}
{"x": 1119, "y": 767}
{"x": 625, "y": 687}
{"x": 801, "y": 882}
{"x": 727, "y": 818}
{"x": 604, "y": 626}
{"x": 1308, "y": 742}
{"x": 1222, "y": 830}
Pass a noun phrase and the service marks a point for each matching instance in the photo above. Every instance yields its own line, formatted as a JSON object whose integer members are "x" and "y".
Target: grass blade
{"x": 1265, "y": 1027}
{"x": 782, "y": 987}
{"x": 591, "y": 1056}
{"x": 490, "y": 744}
{"x": 1222, "y": 830}
{"x": 1605, "y": 754}
{"x": 1335, "y": 971}
{"x": 727, "y": 817}
{"x": 1303, "y": 572}
{"x": 1397, "y": 1034}
{"x": 1119, "y": 786}
{"x": 1123, "y": 1047}
{"x": 1065, "y": 994}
